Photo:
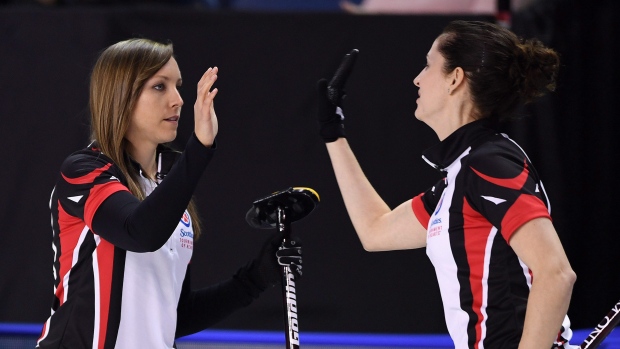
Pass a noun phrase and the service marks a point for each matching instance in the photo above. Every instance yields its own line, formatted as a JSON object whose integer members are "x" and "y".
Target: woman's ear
{"x": 457, "y": 78}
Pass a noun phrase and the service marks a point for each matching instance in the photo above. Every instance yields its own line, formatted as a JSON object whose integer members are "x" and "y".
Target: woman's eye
{"x": 159, "y": 87}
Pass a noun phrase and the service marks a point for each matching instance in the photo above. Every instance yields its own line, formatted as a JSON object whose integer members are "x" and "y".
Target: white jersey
{"x": 154, "y": 278}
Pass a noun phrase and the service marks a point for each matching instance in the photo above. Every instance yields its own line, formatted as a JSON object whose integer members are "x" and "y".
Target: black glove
{"x": 266, "y": 269}
{"x": 289, "y": 255}
{"x": 331, "y": 95}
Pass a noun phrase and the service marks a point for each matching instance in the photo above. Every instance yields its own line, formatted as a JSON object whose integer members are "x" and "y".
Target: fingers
{"x": 290, "y": 248}
{"x": 290, "y": 254}
{"x": 206, "y": 82}
{"x": 294, "y": 264}
{"x": 205, "y": 120}
{"x": 210, "y": 74}
{"x": 296, "y": 269}
{"x": 343, "y": 71}
{"x": 286, "y": 254}
{"x": 294, "y": 243}
{"x": 335, "y": 89}
{"x": 321, "y": 86}
{"x": 288, "y": 261}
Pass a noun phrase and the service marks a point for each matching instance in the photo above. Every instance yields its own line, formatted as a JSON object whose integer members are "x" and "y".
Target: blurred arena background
{"x": 270, "y": 54}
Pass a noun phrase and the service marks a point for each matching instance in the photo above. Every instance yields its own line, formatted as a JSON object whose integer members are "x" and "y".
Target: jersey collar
{"x": 166, "y": 157}
{"x": 442, "y": 155}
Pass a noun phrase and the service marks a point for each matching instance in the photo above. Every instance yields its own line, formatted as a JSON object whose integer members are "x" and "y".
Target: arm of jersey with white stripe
{"x": 86, "y": 179}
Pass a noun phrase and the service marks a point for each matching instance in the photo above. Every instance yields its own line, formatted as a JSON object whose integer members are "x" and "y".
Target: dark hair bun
{"x": 535, "y": 69}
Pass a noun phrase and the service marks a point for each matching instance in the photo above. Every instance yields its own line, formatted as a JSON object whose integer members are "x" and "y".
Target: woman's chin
{"x": 417, "y": 115}
{"x": 169, "y": 137}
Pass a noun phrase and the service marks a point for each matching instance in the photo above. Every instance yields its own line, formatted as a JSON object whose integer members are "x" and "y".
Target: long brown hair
{"x": 117, "y": 80}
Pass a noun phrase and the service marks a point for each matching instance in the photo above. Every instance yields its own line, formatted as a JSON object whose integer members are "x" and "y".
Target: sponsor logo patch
{"x": 185, "y": 219}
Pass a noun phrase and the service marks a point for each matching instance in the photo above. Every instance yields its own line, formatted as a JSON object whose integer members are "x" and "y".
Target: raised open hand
{"x": 205, "y": 120}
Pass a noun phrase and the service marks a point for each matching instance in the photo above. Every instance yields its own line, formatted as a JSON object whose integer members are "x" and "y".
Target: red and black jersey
{"x": 488, "y": 190}
{"x": 121, "y": 265}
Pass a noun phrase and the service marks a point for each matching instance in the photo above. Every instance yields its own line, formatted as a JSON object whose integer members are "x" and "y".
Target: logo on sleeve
{"x": 185, "y": 220}
{"x": 186, "y": 239}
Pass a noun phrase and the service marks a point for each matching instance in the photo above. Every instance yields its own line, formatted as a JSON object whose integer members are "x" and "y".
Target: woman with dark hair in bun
{"x": 504, "y": 277}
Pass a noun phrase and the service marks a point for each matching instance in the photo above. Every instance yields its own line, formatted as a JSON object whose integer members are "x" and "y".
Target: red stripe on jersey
{"x": 105, "y": 262}
{"x": 70, "y": 230}
{"x": 524, "y": 209}
{"x": 97, "y": 195}
{"x": 88, "y": 178}
{"x": 511, "y": 183}
{"x": 43, "y": 334}
{"x": 476, "y": 230}
{"x": 420, "y": 212}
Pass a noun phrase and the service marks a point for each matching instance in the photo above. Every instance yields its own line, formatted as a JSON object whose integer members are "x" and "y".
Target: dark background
{"x": 269, "y": 64}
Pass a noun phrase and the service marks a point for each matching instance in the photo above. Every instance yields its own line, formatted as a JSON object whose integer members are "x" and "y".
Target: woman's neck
{"x": 458, "y": 112}
{"x": 146, "y": 157}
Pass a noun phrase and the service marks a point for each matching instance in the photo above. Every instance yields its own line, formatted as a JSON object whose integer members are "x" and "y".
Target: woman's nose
{"x": 416, "y": 80}
{"x": 177, "y": 101}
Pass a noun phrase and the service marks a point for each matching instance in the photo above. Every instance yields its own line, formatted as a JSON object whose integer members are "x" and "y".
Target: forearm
{"x": 363, "y": 203}
{"x": 143, "y": 226}
{"x": 201, "y": 309}
{"x": 546, "y": 307}
{"x": 172, "y": 196}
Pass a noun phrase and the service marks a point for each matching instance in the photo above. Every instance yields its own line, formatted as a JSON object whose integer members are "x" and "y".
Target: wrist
{"x": 332, "y": 130}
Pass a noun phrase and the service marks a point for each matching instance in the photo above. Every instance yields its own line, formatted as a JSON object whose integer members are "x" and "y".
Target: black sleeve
{"x": 144, "y": 226}
{"x": 200, "y": 309}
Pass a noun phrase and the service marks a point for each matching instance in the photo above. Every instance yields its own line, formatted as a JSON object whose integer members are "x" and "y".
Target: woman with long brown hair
{"x": 122, "y": 218}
